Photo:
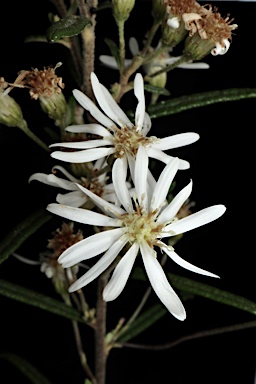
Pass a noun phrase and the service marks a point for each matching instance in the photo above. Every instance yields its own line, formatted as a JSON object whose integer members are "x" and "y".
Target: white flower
{"x": 119, "y": 135}
{"x": 75, "y": 197}
{"x": 140, "y": 223}
{"x": 159, "y": 62}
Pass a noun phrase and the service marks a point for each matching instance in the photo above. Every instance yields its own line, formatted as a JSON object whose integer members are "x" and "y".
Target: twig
{"x": 193, "y": 336}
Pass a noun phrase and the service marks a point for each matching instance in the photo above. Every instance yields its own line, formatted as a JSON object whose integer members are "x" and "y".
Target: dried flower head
{"x": 173, "y": 27}
{"x": 62, "y": 239}
{"x": 209, "y": 32}
{"x": 46, "y": 86}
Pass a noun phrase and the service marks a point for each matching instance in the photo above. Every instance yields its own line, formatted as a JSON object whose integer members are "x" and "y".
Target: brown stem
{"x": 196, "y": 335}
{"x": 81, "y": 353}
{"x": 88, "y": 42}
{"x": 100, "y": 332}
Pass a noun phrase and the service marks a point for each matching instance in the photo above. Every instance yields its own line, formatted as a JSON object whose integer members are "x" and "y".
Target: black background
{"x": 222, "y": 172}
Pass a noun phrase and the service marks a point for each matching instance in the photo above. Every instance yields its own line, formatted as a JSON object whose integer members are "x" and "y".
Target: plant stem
{"x": 100, "y": 332}
{"x": 82, "y": 354}
{"x": 120, "y": 25}
{"x": 88, "y": 40}
{"x": 193, "y": 336}
{"x": 32, "y": 136}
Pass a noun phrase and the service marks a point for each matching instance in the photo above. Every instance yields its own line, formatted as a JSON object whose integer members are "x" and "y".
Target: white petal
{"x": 73, "y": 199}
{"x": 109, "y": 61}
{"x": 146, "y": 124}
{"x": 90, "y": 247}
{"x": 171, "y": 210}
{"x": 94, "y": 129}
{"x": 87, "y": 104}
{"x": 176, "y": 141}
{"x": 106, "y": 206}
{"x": 133, "y": 46}
{"x": 83, "y": 156}
{"x": 65, "y": 173}
{"x": 100, "y": 266}
{"x": 196, "y": 220}
{"x": 131, "y": 162}
{"x": 84, "y": 216}
{"x": 173, "y": 255}
{"x": 194, "y": 66}
{"x": 140, "y": 177}
{"x": 108, "y": 104}
{"x": 139, "y": 93}
{"x": 163, "y": 184}
{"x": 120, "y": 274}
{"x": 119, "y": 174}
{"x": 160, "y": 283}
{"x": 173, "y": 22}
{"x": 161, "y": 156}
{"x": 84, "y": 144}
{"x": 43, "y": 178}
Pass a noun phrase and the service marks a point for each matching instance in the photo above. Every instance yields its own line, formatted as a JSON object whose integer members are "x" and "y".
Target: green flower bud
{"x": 10, "y": 112}
{"x": 158, "y": 10}
{"x": 122, "y": 9}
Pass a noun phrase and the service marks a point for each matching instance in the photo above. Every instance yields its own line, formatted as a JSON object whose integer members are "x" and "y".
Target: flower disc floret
{"x": 127, "y": 140}
{"x": 142, "y": 227}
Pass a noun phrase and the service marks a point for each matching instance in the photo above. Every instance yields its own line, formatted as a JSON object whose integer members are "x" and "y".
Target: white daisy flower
{"x": 141, "y": 223}
{"x": 119, "y": 135}
{"x": 95, "y": 182}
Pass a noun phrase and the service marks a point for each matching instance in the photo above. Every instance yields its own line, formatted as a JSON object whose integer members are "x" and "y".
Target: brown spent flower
{"x": 178, "y": 7}
{"x": 209, "y": 32}
{"x": 63, "y": 238}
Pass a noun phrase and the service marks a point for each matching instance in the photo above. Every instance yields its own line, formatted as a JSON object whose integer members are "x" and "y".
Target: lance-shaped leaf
{"x": 36, "y": 299}
{"x": 22, "y": 231}
{"x": 114, "y": 50}
{"x": 158, "y": 90}
{"x": 184, "y": 103}
{"x": 32, "y": 373}
{"x": 144, "y": 321}
{"x": 212, "y": 293}
{"x": 67, "y": 27}
{"x": 200, "y": 289}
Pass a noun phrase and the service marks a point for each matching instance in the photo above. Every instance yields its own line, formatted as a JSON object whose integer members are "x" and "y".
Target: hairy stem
{"x": 100, "y": 332}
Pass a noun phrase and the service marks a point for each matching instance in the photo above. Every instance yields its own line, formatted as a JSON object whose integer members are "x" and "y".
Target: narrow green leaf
{"x": 114, "y": 50}
{"x": 183, "y": 103}
{"x": 32, "y": 373}
{"x": 158, "y": 90}
{"x": 212, "y": 293}
{"x": 196, "y": 288}
{"x": 22, "y": 231}
{"x": 36, "y": 299}
{"x": 144, "y": 321}
{"x": 67, "y": 27}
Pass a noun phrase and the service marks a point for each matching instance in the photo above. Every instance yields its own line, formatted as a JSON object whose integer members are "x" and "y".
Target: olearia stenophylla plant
{"x": 105, "y": 161}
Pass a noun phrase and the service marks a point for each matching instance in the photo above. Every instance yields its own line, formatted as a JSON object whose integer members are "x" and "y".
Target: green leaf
{"x": 36, "y": 299}
{"x": 196, "y": 288}
{"x": 143, "y": 322}
{"x": 183, "y": 103}
{"x": 212, "y": 293}
{"x": 26, "y": 368}
{"x": 67, "y": 27}
{"x": 158, "y": 90}
{"x": 22, "y": 231}
{"x": 114, "y": 50}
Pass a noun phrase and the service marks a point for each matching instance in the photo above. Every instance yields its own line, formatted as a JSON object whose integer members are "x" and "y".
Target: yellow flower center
{"x": 128, "y": 140}
{"x": 142, "y": 227}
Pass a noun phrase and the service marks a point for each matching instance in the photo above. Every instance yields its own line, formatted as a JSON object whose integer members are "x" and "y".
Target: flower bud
{"x": 10, "y": 112}
{"x": 122, "y": 9}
